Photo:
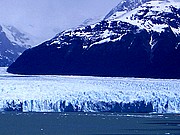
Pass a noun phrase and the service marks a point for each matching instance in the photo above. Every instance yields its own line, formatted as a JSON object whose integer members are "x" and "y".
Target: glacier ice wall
{"x": 156, "y": 106}
{"x": 88, "y": 94}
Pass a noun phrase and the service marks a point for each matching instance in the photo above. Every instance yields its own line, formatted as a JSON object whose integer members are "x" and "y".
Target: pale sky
{"x": 45, "y": 17}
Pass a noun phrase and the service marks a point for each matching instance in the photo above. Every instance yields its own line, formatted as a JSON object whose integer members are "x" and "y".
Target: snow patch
{"x": 147, "y": 9}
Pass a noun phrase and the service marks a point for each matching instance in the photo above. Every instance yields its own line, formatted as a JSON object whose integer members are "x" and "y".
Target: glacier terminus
{"x": 52, "y": 93}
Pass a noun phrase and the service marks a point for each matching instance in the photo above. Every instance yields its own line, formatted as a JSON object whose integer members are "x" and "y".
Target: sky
{"x": 44, "y": 18}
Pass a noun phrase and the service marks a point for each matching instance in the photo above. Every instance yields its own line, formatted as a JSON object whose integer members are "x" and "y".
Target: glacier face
{"x": 53, "y": 93}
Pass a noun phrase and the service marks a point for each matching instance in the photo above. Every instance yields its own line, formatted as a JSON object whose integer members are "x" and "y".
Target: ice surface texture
{"x": 88, "y": 94}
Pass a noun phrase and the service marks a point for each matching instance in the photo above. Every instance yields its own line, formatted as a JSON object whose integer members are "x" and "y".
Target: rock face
{"x": 9, "y": 51}
{"x": 141, "y": 42}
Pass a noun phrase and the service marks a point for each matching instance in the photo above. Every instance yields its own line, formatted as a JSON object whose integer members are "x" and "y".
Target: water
{"x": 12, "y": 123}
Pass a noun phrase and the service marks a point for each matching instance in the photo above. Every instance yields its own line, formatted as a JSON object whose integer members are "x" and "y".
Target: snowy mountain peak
{"x": 125, "y": 6}
{"x": 152, "y": 15}
{"x": 17, "y": 37}
{"x": 12, "y": 44}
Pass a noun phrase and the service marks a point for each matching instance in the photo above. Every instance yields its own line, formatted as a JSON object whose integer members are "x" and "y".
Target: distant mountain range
{"x": 138, "y": 38}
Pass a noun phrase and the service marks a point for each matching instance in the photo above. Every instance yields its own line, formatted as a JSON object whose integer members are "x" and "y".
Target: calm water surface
{"x": 12, "y": 123}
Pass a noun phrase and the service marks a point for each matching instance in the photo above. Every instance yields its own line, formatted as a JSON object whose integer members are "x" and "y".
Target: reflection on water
{"x": 89, "y": 123}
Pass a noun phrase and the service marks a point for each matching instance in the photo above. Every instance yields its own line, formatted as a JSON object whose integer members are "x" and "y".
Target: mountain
{"x": 10, "y": 49}
{"x": 17, "y": 37}
{"x": 152, "y": 15}
{"x": 90, "y": 21}
{"x": 141, "y": 41}
{"x": 125, "y": 6}
{"x": 21, "y": 40}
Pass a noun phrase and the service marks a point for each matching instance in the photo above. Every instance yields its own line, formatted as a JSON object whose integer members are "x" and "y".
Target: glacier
{"x": 55, "y": 93}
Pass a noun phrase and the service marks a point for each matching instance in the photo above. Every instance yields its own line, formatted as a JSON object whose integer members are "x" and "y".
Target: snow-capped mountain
{"x": 9, "y": 50}
{"x": 138, "y": 39}
{"x": 152, "y": 15}
{"x": 125, "y": 6}
{"x": 18, "y": 37}
{"x": 23, "y": 40}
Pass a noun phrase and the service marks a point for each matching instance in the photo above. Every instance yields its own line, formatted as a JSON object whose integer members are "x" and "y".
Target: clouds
{"x": 43, "y": 16}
